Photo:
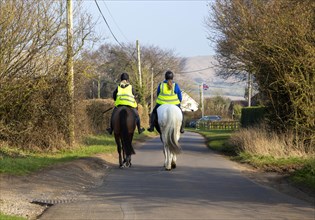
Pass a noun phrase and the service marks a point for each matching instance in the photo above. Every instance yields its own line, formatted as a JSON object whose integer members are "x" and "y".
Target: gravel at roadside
{"x": 28, "y": 196}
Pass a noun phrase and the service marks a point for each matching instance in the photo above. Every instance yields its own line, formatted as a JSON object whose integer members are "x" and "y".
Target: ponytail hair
{"x": 170, "y": 84}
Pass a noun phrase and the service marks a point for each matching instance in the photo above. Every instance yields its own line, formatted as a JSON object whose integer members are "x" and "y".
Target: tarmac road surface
{"x": 203, "y": 186}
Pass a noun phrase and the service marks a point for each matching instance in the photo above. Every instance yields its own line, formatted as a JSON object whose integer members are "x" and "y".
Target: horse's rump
{"x": 124, "y": 124}
{"x": 170, "y": 120}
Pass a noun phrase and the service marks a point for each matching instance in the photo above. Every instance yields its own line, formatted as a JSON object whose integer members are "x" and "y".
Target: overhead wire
{"x": 121, "y": 32}
{"x": 120, "y": 44}
{"x": 132, "y": 55}
{"x": 107, "y": 23}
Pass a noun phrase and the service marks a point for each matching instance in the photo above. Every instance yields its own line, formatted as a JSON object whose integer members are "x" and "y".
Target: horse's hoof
{"x": 173, "y": 165}
{"x": 122, "y": 166}
{"x": 167, "y": 169}
{"x": 127, "y": 164}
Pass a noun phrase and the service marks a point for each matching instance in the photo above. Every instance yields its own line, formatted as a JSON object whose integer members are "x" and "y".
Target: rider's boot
{"x": 182, "y": 129}
{"x": 152, "y": 119}
{"x": 140, "y": 129}
{"x": 109, "y": 130}
{"x": 182, "y": 126}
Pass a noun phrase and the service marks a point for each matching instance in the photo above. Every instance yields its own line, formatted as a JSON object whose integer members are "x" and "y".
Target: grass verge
{"x": 300, "y": 170}
{"x": 19, "y": 162}
{"x": 218, "y": 140}
{"x": 10, "y": 217}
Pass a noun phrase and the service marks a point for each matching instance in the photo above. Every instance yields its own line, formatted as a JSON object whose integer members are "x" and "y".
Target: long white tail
{"x": 170, "y": 120}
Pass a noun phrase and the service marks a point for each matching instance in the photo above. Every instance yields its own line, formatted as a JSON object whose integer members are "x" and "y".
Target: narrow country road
{"x": 203, "y": 186}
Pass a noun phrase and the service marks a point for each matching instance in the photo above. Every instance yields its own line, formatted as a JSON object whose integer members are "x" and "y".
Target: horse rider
{"x": 168, "y": 92}
{"x": 124, "y": 95}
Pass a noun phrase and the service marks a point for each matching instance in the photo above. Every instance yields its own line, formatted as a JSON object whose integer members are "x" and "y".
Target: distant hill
{"x": 202, "y": 69}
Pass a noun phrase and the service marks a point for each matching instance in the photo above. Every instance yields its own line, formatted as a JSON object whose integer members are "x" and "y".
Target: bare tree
{"x": 109, "y": 61}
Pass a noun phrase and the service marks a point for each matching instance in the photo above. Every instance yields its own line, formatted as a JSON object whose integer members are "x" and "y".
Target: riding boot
{"x": 152, "y": 121}
{"x": 182, "y": 126}
{"x": 110, "y": 129}
{"x": 140, "y": 129}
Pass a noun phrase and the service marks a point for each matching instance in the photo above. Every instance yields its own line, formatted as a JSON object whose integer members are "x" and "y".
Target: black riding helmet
{"x": 124, "y": 76}
{"x": 169, "y": 75}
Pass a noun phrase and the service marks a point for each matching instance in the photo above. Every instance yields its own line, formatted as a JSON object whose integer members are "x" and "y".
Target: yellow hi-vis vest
{"x": 167, "y": 96}
{"x": 125, "y": 97}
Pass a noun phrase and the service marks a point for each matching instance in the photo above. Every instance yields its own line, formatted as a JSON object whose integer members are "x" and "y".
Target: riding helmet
{"x": 124, "y": 76}
{"x": 169, "y": 75}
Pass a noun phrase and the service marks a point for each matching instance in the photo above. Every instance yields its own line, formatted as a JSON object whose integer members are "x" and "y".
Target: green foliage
{"x": 301, "y": 170}
{"x": 237, "y": 109}
{"x": 217, "y": 105}
{"x": 10, "y": 217}
{"x": 271, "y": 163}
{"x": 99, "y": 113}
{"x": 33, "y": 112}
{"x": 252, "y": 116}
{"x": 218, "y": 140}
{"x": 305, "y": 175}
{"x": 275, "y": 43}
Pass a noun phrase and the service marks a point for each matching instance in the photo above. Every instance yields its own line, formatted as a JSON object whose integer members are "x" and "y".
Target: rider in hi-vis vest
{"x": 168, "y": 92}
{"x": 124, "y": 96}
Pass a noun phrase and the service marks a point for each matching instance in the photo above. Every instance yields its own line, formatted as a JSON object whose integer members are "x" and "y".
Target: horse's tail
{"x": 125, "y": 136}
{"x": 171, "y": 132}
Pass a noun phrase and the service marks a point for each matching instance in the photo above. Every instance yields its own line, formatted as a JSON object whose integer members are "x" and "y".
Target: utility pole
{"x": 139, "y": 64}
{"x": 249, "y": 90}
{"x": 69, "y": 74}
{"x": 99, "y": 87}
{"x": 201, "y": 99}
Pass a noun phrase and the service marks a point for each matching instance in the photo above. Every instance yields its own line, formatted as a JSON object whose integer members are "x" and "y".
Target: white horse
{"x": 170, "y": 121}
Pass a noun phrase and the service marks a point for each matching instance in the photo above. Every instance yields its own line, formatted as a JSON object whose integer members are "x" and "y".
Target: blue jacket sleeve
{"x": 178, "y": 92}
{"x": 158, "y": 90}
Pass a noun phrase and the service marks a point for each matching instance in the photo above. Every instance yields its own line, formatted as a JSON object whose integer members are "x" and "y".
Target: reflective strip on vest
{"x": 125, "y": 97}
{"x": 167, "y": 96}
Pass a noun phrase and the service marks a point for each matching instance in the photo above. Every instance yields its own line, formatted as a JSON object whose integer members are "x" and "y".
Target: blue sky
{"x": 177, "y": 25}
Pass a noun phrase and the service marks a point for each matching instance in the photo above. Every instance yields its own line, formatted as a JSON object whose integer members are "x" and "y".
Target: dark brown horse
{"x": 124, "y": 124}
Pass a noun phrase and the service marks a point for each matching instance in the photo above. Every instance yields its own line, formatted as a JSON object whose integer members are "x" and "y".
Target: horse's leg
{"x": 127, "y": 157}
{"x": 173, "y": 164}
{"x": 167, "y": 158}
{"x": 165, "y": 155}
{"x": 128, "y": 161}
{"x": 117, "y": 139}
{"x": 131, "y": 138}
